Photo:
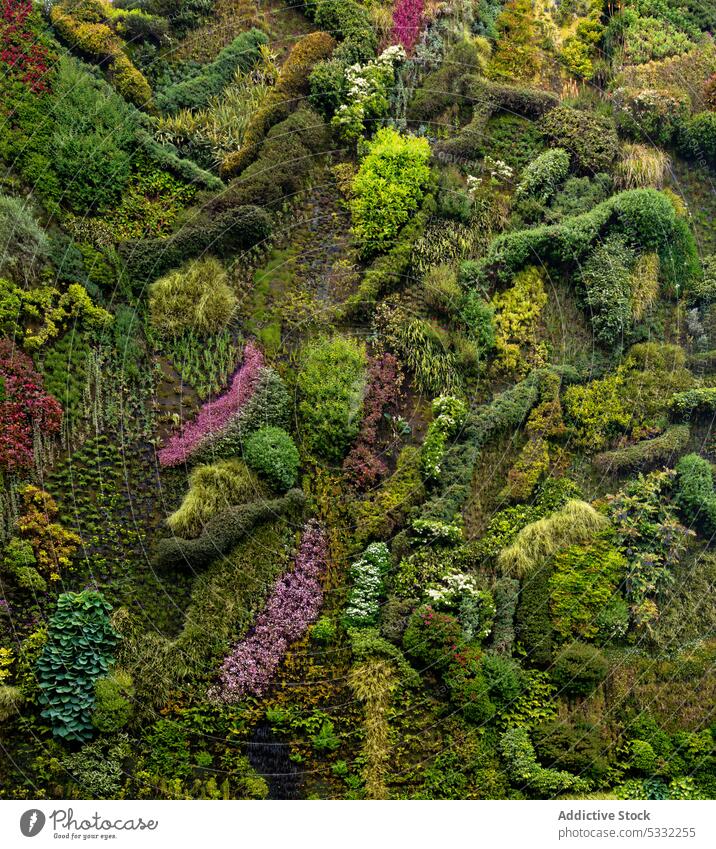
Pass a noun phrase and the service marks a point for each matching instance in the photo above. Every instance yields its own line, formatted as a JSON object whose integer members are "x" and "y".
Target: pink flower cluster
{"x": 216, "y": 415}
{"x": 407, "y": 23}
{"x": 294, "y": 604}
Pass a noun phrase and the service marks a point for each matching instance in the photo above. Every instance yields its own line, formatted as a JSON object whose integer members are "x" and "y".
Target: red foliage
{"x": 24, "y": 406}
{"x": 407, "y": 22}
{"x": 384, "y": 380}
{"x": 20, "y": 46}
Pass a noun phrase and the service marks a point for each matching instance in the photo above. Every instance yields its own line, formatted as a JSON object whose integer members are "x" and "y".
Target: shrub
{"x": 646, "y": 454}
{"x": 224, "y": 531}
{"x": 591, "y": 139}
{"x": 84, "y": 26}
{"x": 210, "y": 81}
{"x": 579, "y": 668}
{"x": 478, "y": 318}
{"x": 533, "y": 624}
{"x": 703, "y": 289}
{"x": 646, "y": 217}
{"x": 367, "y": 574}
{"x": 431, "y": 637}
{"x": 543, "y": 175}
{"x": 196, "y": 298}
{"x": 52, "y": 545}
{"x": 348, "y": 20}
{"x": 575, "y": 745}
{"x": 597, "y": 412}
{"x": 606, "y": 277}
{"x": 407, "y": 23}
{"x": 79, "y": 648}
{"x": 504, "y": 677}
{"x": 641, "y": 167}
{"x": 517, "y": 316}
{"x": 92, "y": 141}
{"x": 468, "y": 688}
{"x": 227, "y": 232}
{"x": 305, "y": 53}
{"x": 25, "y": 408}
{"x": 584, "y": 581}
{"x": 695, "y": 492}
{"x": 113, "y": 702}
{"x": 331, "y": 384}
{"x": 24, "y": 247}
{"x": 212, "y": 489}
{"x": 388, "y": 188}
{"x": 448, "y": 416}
{"x": 576, "y": 522}
{"x": 272, "y": 453}
{"x": 526, "y": 773}
{"x": 293, "y": 605}
{"x": 693, "y": 403}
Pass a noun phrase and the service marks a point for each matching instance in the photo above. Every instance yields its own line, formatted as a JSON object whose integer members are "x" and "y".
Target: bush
{"x": 92, "y": 141}
{"x": 584, "y": 581}
{"x": 693, "y": 403}
{"x": 646, "y": 217}
{"x": 225, "y": 233}
{"x": 543, "y": 175}
{"x": 703, "y": 289}
{"x": 526, "y": 773}
{"x": 196, "y": 298}
{"x": 79, "y": 648}
{"x": 271, "y": 453}
{"x": 576, "y": 522}
{"x": 84, "y": 26}
{"x": 213, "y": 489}
{"x": 579, "y": 668}
{"x": 574, "y": 745}
{"x": 331, "y": 385}
{"x": 448, "y": 416}
{"x": 591, "y": 139}
{"x": 348, "y": 20}
{"x": 367, "y": 575}
{"x": 695, "y": 492}
{"x": 113, "y": 702}
{"x": 533, "y": 624}
{"x": 196, "y": 91}
{"x": 224, "y": 531}
{"x": 607, "y": 277}
{"x": 388, "y": 188}
{"x": 305, "y": 53}
{"x": 24, "y": 247}
{"x": 646, "y": 454}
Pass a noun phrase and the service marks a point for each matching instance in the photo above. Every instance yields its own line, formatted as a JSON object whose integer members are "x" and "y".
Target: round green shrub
{"x": 579, "y": 668}
{"x": 113, "y": 702}
{"x": 271, "y": 452}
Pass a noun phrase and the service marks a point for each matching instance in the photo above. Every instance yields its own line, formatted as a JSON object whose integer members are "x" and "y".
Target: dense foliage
{"x": 357, "y": 400}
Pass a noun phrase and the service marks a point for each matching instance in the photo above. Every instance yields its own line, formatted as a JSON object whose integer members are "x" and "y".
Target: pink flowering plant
{"x": 293, "y": 605}
{"x": 216, "y": 415}
{"x": 407, "y": 23}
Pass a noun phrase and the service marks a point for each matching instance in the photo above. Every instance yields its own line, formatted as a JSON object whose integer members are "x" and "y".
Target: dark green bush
{"x": 225, "y": 233}
{"x": 695, "y": 494}
{"x": 579, "y": 668}
{"x": 532, "y": 619}
{"x": 271, "y": 453}
{"x": 591, "y": 139}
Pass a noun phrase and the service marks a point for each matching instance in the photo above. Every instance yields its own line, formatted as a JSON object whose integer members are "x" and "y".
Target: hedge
{"x": 695, "y": 494}
{"x": 235, "y": 229}
{"x": 224, "y": 531}
{"x": 646, "y": 454}
{"x": 693, "y": 403}
{"x": 646, "y": 217}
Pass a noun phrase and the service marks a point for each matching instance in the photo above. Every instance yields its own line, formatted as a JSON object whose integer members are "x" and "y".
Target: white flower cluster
{"x": 498, "y": 169}
{"x": 367, "y": 574}
{"x": 454, "y": 586}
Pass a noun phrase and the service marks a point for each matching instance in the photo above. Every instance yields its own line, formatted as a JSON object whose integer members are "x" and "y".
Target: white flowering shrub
{"x": 367, "y": 574}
